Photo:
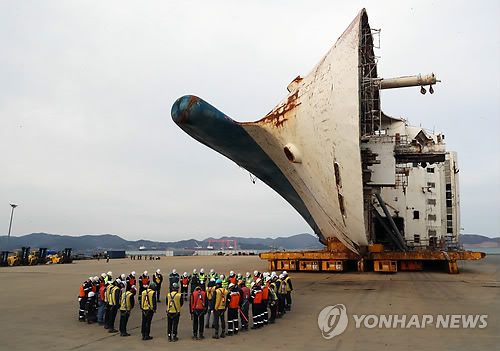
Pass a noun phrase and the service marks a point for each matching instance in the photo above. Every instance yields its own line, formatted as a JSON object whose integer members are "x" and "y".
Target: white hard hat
{"x": 212, "y": 279}
{"x": 133, "y": 273}
{"x": 285, "y": 273}
{"x": 232, "y": 272}
{"x": 239, "y": 275}
{"x": 255, "y": 272}
{"x": 91, "y": 279}
{"x": 158, "y": 271}
{"x": 273, "y": 274}
{"x": 96, "y": 278}
{"x": 248, "y": 274}
{"x": 231, "y": 285}
{"x": 91, "y": 294}
{"x": 221, "y": 276}
{"x": 282, "y": 276}
{"x": 174, "y": 271}
{"x": 103, "y": 275}
{"x": 118, "y": 280}
{"x": 202, "y": 270}
{"x": 123, "y": 276}
{"x": 145, "y": 272}
{"x": 110, "y": 273}
{"x": 185, "y": 274}
{"x": 211, "y": 270}
{"x": 194, "y": 270}
{"x": 258, "y": 281}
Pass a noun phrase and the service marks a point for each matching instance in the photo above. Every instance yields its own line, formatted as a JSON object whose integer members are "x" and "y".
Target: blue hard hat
{"x": 218, "y": 281}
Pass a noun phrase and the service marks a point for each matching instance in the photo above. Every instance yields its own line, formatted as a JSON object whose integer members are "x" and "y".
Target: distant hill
{"x": 478, "y": 241}
{"x": 114, "y": 242}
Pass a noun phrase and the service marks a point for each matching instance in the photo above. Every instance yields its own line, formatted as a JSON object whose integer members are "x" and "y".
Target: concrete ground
{"x": 39, "y": 309}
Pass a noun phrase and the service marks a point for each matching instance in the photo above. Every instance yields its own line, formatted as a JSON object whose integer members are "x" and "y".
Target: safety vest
{"x": 112, "y": 296}
{"x": 233, "y": 279}
{"x": 210, "y": 292}
{"x": 82, "y": 290}
{"x": 272, "y": 291}
{"x": 107, "y": 293}
{"x": 157, "y": 278}
{"x": 174, "y": 302}
{"x": 288, "y": 288}
{"x": 220, "y": 298}
{"x": 265, "y": 292}
{"x": 248, "y": 282}
{"x": 282, "y": 288}
{"x": 213, "y": 275}
{"x": 225, "y": 283}
{"x": 126, "y": 304}
{"x": 145, "y": 281}
{"x": 131, "y": 281}
{"x": 198, "y": 300}
{"x": 234, "y": 302}
{"x": 147, "y": 298}
{"x": 184, "y": 281}
{"x": 102, "y": 293}
{"x": 202, "y": 277}
{"x": 258, "y": 296}
{"x": 246, "y": 293}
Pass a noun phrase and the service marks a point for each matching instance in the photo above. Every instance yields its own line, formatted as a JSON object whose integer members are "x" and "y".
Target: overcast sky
{"x": 88, "y": 145}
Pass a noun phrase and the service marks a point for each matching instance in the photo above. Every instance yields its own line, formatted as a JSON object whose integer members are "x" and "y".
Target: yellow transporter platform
{"x": 336, "y": 257}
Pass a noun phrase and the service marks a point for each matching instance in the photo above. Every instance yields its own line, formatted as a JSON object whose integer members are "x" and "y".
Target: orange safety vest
{"x": 198, "y": 300}
{"x": 235, "y": 299}
{"x": 145, "y": 281}
{"x": 265, "y": 292}
{"x": 185, "y": 281}
{"x": 246, "y": 293}
{"x": 233, "y": 280}
{"x": 258, "y": 296}
{"x": 131, "y": 281}
{"x": 82, "y": 291}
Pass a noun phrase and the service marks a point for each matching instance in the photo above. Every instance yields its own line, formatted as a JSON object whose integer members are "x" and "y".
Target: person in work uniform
{"x": 289, "y": 289}
{"x": 126, "y": 305}
{"x": 212, "y": 275}
{"x": 202, "y": 279}
{"x": 85, "y": 288}
{"x": 109, "y": 278}
{"x": 198, "y": 306}
{"x": 173, "y": 278}
{"x": 273, "y": 298}
{"x": 148, "y": 308}
{"x": 114, "y": 304}
{"x": 265, "y": 297}
{"x": 158, "y": 279}
{"x": 281, "y": 285}
{"x": 210, "y": 294}
{"x": 245, "y": 304}
{"x": 232, "y": 278}
{"x": 233, "y": 309}
{"x": 101, "y": 303}
{"x": 248, "y": 280}
{"x": 193, "y": 278}
{"x": 218, "y": 306}
{"x": 130, "y": 281}
{"x": 174, "y": 304}
{"x": 256, "y": 299}
{"x": 239, "y": 277}
{"x": 184, "y": 285}
{"x": 224, "y": 280}
{"x": 143, "y": 282}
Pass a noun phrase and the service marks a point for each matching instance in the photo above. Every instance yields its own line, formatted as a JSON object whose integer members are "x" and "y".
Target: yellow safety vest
{"x": 282, "y": 289}
{"x": 106, "y": 293}
{"x": 125, "y": 304}
{"x": 147, "y": 299}
{"x": 272, "y": 290}
{"x": 112, "y": 298}
{"x": 287, "y": 284}
{"x": 156, "y": 278}
{"x": 174, "y": 302}
{"x": 220, "y": 299}
{"x": 210, "y": 292}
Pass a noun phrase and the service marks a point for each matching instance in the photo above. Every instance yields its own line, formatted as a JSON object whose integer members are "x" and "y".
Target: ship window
{"x": 449, "y": 203}
{"x": 449, "y": 230}
{"x": 448, "y": 187}
{"x": 416, "y": 215}
{"x": 431, "y": 184}
{"x": 431, "y": 217}
{"x": 416, "y": 239}
{"x": 449, "y": 217}
{"x": 431, "y": 232}
{"x": 430, "y": 170}
{"x": 431, "y": 201}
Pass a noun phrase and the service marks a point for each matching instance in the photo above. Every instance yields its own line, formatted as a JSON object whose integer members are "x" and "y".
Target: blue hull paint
{"x": 214, "y": 129}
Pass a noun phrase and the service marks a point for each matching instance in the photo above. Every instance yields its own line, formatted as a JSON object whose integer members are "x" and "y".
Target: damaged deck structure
{"x": 375, "y": 190}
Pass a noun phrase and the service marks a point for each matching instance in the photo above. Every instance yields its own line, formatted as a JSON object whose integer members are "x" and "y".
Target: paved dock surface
{"x": 39, "y": 308}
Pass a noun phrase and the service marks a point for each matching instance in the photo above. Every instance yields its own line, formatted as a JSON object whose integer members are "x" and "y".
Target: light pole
{"x": 10, "y": 224}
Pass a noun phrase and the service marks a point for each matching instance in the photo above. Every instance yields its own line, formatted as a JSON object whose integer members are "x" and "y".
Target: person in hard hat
{"x": 248, "y": 280}
{"x": 233, "y": 309}
{"x": 245, "y": 304}
{"x": 213, "y": 275}
{"x": 218, "y": 306}
{"x": 210, "y": 294}
{"x": 256, "y": 299}
{"x": 143, "y": 281}
{"x": 101, "y": 303}
{"x": 281, "y": 285}
{"x": 256, "y": 275}
{"x": 126, "y": 305}
{"x": 202, "y": 279}
{"x": 193, "y": 278}
{"x": 148, "y": 308}
{"x": 158, "y": 279}
{"x": 265, "y": 297}
{"x": 184, "y": 282}
{"x": 289, "y": 289}
{"x": 109, "y": 278}
{"x": 273, "y": 298}
{"x": 232, "y": 278}
{"x": 114, "y": 303}
{"x": 238, "y": 278}
{"x": 224, "y": 280}
{"x": 173, "y": 278}
{"x": 131, "y": 281}
{"x": 85, "y": 288}
{"x": 91, "y": 304}
{"x": 174, "y": 304}
{"x": 198, "y": 306}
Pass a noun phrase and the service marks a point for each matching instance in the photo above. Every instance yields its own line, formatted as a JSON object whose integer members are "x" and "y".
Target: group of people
{"x": 209, "y": 295}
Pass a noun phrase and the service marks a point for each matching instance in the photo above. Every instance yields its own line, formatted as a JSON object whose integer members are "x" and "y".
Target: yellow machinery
{"x": 14, "y": 259}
